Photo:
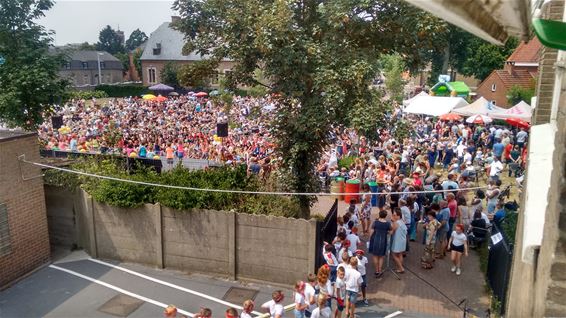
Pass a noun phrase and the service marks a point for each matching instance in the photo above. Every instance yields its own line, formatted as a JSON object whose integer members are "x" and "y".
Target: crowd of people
{"x": 427, "y": 184}
{"x": 180, "y": 127}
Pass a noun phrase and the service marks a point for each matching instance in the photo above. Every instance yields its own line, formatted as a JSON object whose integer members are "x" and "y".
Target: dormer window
{"x": 157, "y": 49}
{"x": 84, "y": 65}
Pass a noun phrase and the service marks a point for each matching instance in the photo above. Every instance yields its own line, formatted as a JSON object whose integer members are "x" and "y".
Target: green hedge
{"x": 123, "y": 90}
{"x": 87, "y": 94}
{"x": 127, "y": 195}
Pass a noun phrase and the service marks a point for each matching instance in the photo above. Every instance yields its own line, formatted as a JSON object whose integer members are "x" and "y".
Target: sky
{"x": 77, "y": 21}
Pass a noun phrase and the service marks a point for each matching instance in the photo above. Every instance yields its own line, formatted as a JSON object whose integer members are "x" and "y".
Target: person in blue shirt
{"x": 142, "y": 152}
{"x": 499, "y": 213}
{"x": 498, "y": 148}
{"x": 442, "y": 233}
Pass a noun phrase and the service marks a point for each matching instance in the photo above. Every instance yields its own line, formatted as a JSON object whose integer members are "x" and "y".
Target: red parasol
{"x": 518, "y": 123}
{"x": 201, "y": 94}
{"x": 160, "y": 98}
{"x": 449, "y": 116}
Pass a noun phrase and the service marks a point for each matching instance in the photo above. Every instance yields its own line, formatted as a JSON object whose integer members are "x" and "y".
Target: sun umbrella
{"x": 148, "y": 96}
{"x": 479, "y": 119}
{"x": 160, "y": 98}
{"x": 450, "y": 116}
{"x": 161, "y": 87}
{"x": 173, "y": 94}
{"x": 201, "y": 94}
{"x": 517, "y": 122}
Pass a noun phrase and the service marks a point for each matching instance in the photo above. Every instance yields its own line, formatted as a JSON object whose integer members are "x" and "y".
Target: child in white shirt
{"x": 340, "y": 291}
{"x": 362, "y": 262}
{"x": 322, "y": 311}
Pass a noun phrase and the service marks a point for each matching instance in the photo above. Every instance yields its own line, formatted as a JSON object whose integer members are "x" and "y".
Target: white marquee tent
{"x": 522, "y": 111}
{"x": 480, "y": 106}
{"x": 434, "y": 105}
{"x": 410, "y": 100}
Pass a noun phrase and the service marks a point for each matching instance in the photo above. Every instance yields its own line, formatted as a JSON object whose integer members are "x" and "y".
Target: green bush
{"x": 87, "y": 94}
{"x": 346, "y": 161}
{"x": 123, "y": 90}
{"x": 509, "y": 226}
{"x": 127, "y": 195}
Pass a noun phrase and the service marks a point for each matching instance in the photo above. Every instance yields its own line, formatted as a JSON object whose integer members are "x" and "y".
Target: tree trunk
{"x": 446, "y": 60}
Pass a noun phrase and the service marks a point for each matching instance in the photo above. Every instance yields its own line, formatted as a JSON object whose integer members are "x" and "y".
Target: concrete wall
{"x": 21, "y": 189}
{"x": 61, "y": 218}
{"x": 539, "y": 289}
{"x": 232, "y": 245}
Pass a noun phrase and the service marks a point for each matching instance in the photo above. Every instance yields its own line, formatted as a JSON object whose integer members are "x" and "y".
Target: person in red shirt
{"x": 507, "y": 152}
{"x": 453, "y": 207}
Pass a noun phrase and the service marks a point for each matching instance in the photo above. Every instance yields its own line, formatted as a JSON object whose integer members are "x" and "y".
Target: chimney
{"x": 175, "y": 18}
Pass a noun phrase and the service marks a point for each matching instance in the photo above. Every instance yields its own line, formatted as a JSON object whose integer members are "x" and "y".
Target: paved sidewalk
{"x": 433, "y": 292}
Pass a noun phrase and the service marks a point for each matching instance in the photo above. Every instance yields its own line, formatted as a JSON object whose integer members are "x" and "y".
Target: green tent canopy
{"x": 460, "y": 89}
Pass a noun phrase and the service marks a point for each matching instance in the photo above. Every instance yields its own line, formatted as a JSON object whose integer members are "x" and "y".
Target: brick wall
{"x": 158, "y": 65}
{"x": 25, "y": 201}
{"x": 500, "y": 94}
{"x": 545, "y": 83}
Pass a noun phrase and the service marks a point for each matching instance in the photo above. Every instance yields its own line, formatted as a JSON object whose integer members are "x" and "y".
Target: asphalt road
{"x": 78, "y": 286}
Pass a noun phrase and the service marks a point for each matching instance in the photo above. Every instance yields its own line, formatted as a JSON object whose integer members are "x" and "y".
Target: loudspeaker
{"x": 222, "y": 129}
{"x": 57, "y": 122}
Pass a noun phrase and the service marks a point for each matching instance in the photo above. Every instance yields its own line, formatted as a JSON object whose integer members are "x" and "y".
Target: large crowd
{"x": 428, "y": 183}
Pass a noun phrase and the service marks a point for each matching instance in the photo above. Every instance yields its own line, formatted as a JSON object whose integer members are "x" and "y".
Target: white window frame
{"x": 493, "y": 87}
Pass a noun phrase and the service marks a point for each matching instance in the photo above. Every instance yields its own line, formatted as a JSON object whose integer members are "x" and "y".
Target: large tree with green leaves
{"x": 318, "y": 56}
{"x": 484, "y": 57}
{"x": 169, "y": 74}
{"x": 136, "y": 39}
{"x": 109, "y": 41}
{"x": 393, "y": 67}
{"x": 29, "y": 80}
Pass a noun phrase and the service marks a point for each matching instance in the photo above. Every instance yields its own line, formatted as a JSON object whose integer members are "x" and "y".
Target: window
{"x": 102, "y": 64}
{"x": 493, "y": 87}
{"x": 68, "y": 65}
{"x": 151, "y": 75}
{"x": 214, "y": 78}
{"x": 227, "y": 72}
{"x": 493, "y": 102}
{"x": 85, "y": 65}
{"x": 86, "y": 79}
{"x": 108, "y": 78}
{"x": 5, "y": 241}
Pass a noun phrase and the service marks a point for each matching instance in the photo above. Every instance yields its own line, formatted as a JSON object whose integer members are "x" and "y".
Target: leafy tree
{"x": 136, "y": 56}
{"x": 29, "y": 79}
{"x": 485, "y": 57}
{"x": 124, "y": 59}
{"x": 197, "y": 74}
{"x": 320, "y": 57}
{"x": 109, "y": 41}
{"x": 136, "y": 39}
{"x": 516, "y": 93}
{"x": 169, "y": 74}
{"x": 393, "y": 67}
{"x": 367, "y": 118}
{"x": 452, "y": 53}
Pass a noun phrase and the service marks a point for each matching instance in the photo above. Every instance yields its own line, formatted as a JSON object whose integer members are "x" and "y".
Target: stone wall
{"x": 227, "y": 244}
{"x": 21, "y": 190}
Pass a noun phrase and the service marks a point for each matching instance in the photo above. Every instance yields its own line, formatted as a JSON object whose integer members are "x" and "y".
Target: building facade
{"x": 82, "y": 68}
{"x": 24, "y": 239}
{"x": 165, "y": 45}
{"x": 521, "y": 68}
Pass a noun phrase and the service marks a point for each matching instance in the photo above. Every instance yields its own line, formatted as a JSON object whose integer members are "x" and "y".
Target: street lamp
{"x": 98, "y": 55}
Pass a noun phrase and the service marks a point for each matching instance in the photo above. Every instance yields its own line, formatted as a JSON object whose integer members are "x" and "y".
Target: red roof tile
{"x": 522, "y": 78}
{"x": 527, "y": 52}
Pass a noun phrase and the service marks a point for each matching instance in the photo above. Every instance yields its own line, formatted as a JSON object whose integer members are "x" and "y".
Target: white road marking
{"x": 395, "y": 314}
{"x": 155, "y": 280}
{"x": 120, "y": 290}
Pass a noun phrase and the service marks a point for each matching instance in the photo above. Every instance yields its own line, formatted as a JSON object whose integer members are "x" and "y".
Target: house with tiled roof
{"x": 164, "y": 45}
{"x": 521, "y": 68}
